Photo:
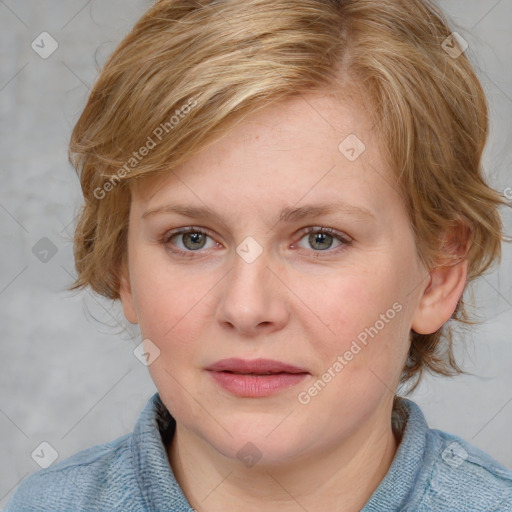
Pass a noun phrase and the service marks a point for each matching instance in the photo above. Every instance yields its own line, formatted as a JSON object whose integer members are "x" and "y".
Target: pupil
{"x": 320, "y": 238}
{"x": 195, "y": 238}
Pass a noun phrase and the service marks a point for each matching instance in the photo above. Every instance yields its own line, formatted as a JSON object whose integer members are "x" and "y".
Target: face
{"x": 332, "y": 293}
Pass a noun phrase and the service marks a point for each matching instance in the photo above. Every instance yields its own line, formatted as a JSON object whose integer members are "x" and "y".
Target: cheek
{"x": 363, "y": 320}
{"x": 345, "y": 305}
{"x": 173, "y": 305}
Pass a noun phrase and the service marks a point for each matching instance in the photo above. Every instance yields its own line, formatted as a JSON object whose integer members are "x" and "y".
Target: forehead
{"x": 313, "y": 141}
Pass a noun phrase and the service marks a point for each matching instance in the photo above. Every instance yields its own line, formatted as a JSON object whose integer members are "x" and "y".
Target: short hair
{"x": 189, "y": 69}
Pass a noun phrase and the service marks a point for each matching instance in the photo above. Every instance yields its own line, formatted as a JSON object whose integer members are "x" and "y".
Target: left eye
{"x": 322, "y": 239}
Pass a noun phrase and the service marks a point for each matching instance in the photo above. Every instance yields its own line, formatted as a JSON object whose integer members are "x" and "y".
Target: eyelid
{"x": 330, "y": 231}
{"x": 186, "y": 229}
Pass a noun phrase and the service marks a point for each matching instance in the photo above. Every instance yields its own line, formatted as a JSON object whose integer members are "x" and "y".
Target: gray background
{"x": 68, "y": 374}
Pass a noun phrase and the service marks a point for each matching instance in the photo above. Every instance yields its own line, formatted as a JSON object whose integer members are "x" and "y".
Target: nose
{"x": 253, "y": 299}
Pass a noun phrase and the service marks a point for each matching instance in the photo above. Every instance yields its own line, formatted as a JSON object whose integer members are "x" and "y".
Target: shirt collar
{"x": 409, "y": 467}
{"x": 158, "y": 485}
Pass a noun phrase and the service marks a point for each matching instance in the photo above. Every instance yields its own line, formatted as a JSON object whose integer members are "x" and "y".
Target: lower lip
{"x": 256, "y": 385}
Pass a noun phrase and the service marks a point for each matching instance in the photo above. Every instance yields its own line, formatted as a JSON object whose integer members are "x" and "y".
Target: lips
{"x": 257, "y": 378}
{"x": 255, "y": 367}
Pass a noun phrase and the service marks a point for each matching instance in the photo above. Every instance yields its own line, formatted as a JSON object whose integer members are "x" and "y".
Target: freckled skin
{"x": 294, "y": 303}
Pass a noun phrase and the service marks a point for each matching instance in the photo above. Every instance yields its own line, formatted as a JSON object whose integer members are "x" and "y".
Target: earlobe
{"x": 126, "y": 296}
{"x": 440, "y": 298}
{"x": 447, "y": 281}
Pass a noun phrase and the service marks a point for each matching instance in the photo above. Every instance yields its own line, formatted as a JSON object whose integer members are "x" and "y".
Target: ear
{"x": 447, "y": 282}
{"x": 126, "y": 296}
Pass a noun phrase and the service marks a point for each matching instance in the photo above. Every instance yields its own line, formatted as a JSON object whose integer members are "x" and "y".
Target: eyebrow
{"x": 289, "y": 214}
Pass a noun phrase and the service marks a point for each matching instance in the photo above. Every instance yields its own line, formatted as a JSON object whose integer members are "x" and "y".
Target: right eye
{"x": 192, "y": 240}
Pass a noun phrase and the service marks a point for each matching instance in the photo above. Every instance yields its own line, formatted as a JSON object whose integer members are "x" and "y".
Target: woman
{"x": 287, "y": 198}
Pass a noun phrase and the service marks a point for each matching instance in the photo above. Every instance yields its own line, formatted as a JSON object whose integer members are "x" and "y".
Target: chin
{"x": 253, "y": 440}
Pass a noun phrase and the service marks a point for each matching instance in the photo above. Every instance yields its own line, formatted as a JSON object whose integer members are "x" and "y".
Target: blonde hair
{"x": 187, "y": 71}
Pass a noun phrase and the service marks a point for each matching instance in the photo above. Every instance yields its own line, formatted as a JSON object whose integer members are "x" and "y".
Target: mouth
{"x": 254, "y": 367}
{"x": 256, "y": 374}
{"x": 255, "y": 378}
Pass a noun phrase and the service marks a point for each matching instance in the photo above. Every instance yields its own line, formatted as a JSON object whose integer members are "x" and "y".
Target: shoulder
{"x": 463, "y": 477}
{"x": 100, "y": 476}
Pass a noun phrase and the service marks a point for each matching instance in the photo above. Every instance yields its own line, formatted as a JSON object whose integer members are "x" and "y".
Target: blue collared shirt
{"x": 432, "y": 471}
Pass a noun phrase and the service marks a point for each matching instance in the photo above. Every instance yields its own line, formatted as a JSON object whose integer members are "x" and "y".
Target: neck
{"x": 339, "y": 478}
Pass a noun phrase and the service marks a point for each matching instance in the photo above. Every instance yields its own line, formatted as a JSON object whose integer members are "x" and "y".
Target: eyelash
{"x": 165, "y": 240}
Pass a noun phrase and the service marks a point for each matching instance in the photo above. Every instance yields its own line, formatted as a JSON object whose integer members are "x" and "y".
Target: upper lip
{"x": 258, "y": 366}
